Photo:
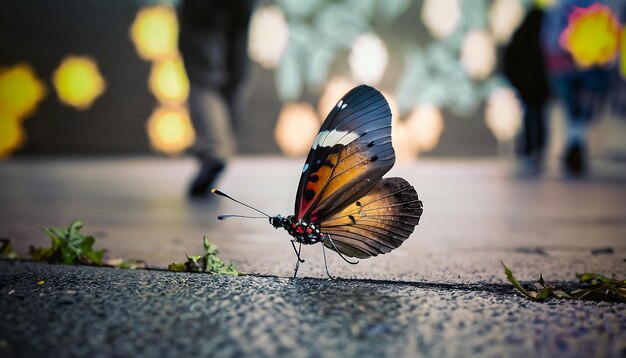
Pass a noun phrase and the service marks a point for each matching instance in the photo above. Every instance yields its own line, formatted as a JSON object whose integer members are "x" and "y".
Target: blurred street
{"x": 476, "y": 213}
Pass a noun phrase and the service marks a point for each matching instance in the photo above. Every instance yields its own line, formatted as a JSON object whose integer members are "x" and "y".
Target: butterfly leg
{"x": 298, "y": 259}
{"x": 339, "y": 252}
{"x": 325, "y": 264}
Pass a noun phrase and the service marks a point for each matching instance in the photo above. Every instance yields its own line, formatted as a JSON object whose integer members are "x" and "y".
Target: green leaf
{"x": 69, "y": 247}
{"x": 543, "y": 294}
{"x": 513, "y": 281}
{"x": 209, "y": 262}
{"x": 177, "y": 267}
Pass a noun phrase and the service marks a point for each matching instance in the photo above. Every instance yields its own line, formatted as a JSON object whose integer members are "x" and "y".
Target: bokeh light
{"x": 592, "y": 35}
{"x": 78, "y": 81}
{"x": 425, "y": 126}
{"x": 368, "y": 59}
{"x": 622, "y": 62}
{"x": 269, "y": 36}
{"x": 20, "y": 91}
{"x": 170, "y": 130}
{"x": 478, "y": 54}
{"x": 168, "y": 81}
{"x": 401, "y": 141}
{"x": 296, "y": 128}
{"x": 441, "y": 17}
{"x": 11, "y": 134}
{"x": 334, "y": 90}
{"x": 155, "y": 32}
{"x": 504, "y": 17}
{"x": 503, "y": 113}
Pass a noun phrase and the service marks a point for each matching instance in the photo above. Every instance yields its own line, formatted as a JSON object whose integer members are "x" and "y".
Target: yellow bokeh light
{"x": 20, "y": 91}
{"x": 622, "y": 63}
{"x": 11, "y": 134}
{"x": 155, "y": 32}
{"x": 296, "y": 128}
{"x": 592, "y": 35}
{"x": 168, "y": 81}
{"x": 170, "y": 130}
{"x": 78, "y": 81}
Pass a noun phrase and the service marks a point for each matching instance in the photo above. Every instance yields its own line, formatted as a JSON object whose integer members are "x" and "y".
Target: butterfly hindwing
{"x": 349, "y": 156}
{"x": 376, "y": 223}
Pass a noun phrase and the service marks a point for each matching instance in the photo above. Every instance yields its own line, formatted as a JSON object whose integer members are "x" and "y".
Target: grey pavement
{"x": 442, "y": 293}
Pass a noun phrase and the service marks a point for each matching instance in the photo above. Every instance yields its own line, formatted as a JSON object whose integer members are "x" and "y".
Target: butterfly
{"x": 343, "y": 201}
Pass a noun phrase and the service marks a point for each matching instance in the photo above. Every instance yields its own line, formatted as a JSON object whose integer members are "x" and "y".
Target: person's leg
{"x": 203, "y": 46}
{"x": 215, "y": 142}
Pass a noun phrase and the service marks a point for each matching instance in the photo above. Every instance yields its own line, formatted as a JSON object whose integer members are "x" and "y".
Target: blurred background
{"x": 90, "y": 77}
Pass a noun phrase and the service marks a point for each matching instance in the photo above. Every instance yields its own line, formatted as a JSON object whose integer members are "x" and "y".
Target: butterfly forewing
{"x": 376, "y": 223}
{"x": 350, "y": 155}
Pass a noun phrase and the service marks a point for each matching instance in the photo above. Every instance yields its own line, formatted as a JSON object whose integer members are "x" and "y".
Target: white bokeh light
{"x": 404, "y": 149}
{"x": 478, "y": 54}
{"x": 424, "y": 126}
{"x": 368, "y": 59}
{"x": 268, "y": 36}
{"x": 441, "y": 17}
{"x": 504, "y": 17}
{"x": 503, "y": 114}
{"x": 296, "y": 128}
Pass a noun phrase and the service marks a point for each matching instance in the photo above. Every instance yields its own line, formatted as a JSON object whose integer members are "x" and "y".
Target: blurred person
{"x": 524, "y": 66}
{"x": 213, "y": 42}
{"x": 579, "y": 89}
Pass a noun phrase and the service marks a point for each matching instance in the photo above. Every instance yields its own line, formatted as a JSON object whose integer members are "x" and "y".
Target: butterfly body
{"x": 303, "y": 232}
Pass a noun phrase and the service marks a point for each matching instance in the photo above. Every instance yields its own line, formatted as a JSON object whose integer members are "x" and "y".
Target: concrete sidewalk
{"x": 442, "y": 293}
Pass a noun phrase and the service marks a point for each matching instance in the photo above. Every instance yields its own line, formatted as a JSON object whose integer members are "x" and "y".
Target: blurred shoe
{"x": 207, "y": 174}
{"x": 528, "y": 165}
{"x": 574, "y": 161}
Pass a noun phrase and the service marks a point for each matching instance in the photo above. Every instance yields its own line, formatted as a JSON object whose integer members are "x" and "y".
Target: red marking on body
{"x": 293, "y": 225}
{"x": 299, "y": 230}
{"x": 308, "y": 230}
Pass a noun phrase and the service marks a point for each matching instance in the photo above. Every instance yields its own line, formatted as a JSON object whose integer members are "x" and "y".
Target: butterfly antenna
{"x": 325, "y": 263}
{"x": 338, "y": 252}
{"x": 228, "y": 216}
{"x": 217, "y": 192}
{"x": 295, "y": 273}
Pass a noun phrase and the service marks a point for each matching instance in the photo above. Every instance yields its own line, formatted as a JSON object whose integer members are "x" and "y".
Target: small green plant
{"x": 69, "y": 247}
{"x": 590, "y": 286}
{"x": 6, "y": 250}
{"x": 209, "y": 262}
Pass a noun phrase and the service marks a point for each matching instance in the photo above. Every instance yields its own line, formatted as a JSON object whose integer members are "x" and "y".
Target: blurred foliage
{"x": 68, "y": 247}
{"x": 590, "y": 286}
{"x": 321, "y": 32}
{"x": 209, "y": 262}
{"x": 6, "y": 250}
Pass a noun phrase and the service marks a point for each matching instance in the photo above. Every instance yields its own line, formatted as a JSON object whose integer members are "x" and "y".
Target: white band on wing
{"x": 334, "y": 137}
